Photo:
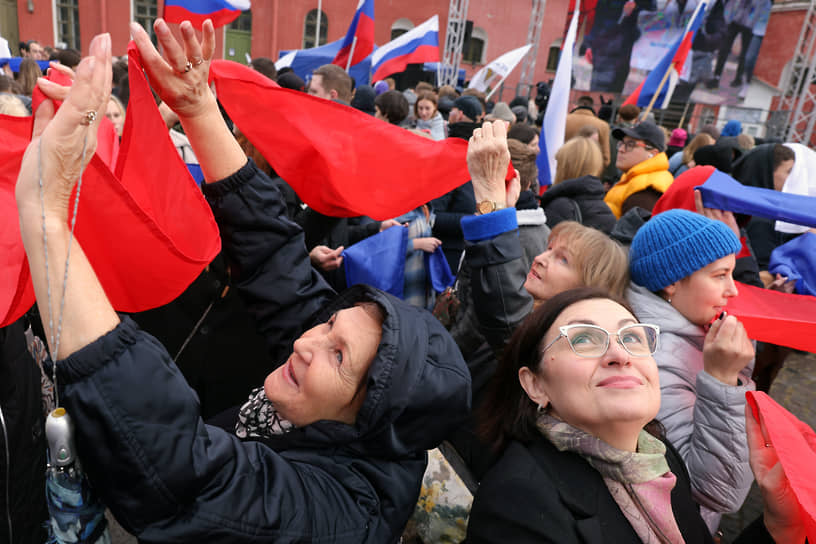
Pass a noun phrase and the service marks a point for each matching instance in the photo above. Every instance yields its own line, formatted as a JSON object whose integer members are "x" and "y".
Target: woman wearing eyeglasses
{"x": 573, "y": 410}
{"x": 681, "y": 265}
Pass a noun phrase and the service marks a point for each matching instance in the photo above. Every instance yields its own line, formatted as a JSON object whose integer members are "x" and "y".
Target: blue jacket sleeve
{"x": 168, "y": 477}
{"x": 267, "y": 256}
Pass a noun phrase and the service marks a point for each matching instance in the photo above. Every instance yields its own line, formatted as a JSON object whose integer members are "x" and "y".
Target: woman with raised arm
{"x": 331, "y": 448}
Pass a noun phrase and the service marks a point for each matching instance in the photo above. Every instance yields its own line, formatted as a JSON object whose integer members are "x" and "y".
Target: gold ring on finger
{"x": 197, "y": 61}
{"x": 87, "y": 118}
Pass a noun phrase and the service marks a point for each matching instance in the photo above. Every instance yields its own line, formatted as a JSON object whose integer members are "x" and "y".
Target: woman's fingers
{"x": 52, "y": 90}
{"x": 54, "y": 65}
{"x": 208, "y": 40}
{"x": 152, "y": 61}
{"x": 192, "y": 46}
{"x": 173, "y": 51}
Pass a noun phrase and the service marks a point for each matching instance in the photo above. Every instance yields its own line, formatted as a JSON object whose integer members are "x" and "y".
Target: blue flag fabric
{"x": 797, "y": 261}
{"x": 14, "y": 63}
{"x": 305, "y": 61}
{"x": 378, "y": 261}
{"x": 723, "y": 192}
{"x": 439, "y": 271}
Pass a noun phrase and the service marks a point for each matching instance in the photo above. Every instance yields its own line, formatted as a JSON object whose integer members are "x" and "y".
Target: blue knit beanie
{"x": 674, "y": 244}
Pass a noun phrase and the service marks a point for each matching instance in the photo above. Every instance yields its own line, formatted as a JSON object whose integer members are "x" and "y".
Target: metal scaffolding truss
{"x": 533, "y": 37}
{"x": 454, "y": 40}
{"x": 798, "y": 97}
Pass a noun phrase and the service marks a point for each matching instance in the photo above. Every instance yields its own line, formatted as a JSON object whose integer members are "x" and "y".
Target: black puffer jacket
{"x": 22, "y": 442}
{"x": 168, "y": 477}
{"x": 587, "y": 192}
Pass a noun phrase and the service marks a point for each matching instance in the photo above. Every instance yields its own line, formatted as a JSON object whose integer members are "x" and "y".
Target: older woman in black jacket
{"x": 583, "y": 461}
{"x": 331, "y": 448}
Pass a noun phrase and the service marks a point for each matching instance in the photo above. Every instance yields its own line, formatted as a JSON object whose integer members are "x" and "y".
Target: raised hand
{"x": 781, "y": 516}
{"x": 727, "y": 350}
{"x": 488, "y": 158}
{"x": 180, "y": 76}
{"x": 716, "y": 215}
{"x": 65, "y": 135}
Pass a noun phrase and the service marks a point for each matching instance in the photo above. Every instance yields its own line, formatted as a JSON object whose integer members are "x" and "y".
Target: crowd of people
{"x": 590, "y": 385}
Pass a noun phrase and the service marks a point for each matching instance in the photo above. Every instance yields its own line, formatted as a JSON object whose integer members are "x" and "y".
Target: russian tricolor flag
{"x": 221, "y": 12}
{"x": 359, "y": 40}
{"x": 665, "y": 75}
{"x": 420, "y": 44}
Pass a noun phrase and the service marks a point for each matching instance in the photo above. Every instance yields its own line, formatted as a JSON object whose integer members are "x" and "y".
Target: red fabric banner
{"x": 340, "y": 161}
{"x": 147, "y": 231}
{"x": 795, "y": 444}
{"x": 776, "y": 318}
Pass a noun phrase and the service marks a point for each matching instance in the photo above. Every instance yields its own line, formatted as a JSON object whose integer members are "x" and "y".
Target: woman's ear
{"x": 669, "y": 291}
{"x": 533, "y": 385}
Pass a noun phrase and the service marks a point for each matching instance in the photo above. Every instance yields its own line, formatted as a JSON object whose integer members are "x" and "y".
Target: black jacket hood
{"x": 418, "y": 372}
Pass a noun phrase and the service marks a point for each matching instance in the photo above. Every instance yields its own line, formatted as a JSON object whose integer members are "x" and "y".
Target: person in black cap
{"x": 645, "y": 168}
{"x": 290, "y": 80}
{"x": 464, "y": 117}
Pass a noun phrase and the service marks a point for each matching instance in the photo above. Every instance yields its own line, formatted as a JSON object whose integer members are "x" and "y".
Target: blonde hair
{"x": 600, "y": 260}
{"x": 11, "y": 105}
{"x": 578, "y": 157}
{"x": 701, "y": 140}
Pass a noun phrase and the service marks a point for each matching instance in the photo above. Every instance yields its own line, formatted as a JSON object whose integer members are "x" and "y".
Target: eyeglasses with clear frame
{"x": 585, "y": 340}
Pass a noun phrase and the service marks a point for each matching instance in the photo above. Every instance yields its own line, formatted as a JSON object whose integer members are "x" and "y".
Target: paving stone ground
{"x": 795, "y": 389}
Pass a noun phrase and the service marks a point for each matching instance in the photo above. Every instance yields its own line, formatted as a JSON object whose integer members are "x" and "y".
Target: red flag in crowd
{"x": 340, "y": 161}
{"x": 776, "y": 318}
{"x": 795, "y": 444}
{"x": 146, "y": 230}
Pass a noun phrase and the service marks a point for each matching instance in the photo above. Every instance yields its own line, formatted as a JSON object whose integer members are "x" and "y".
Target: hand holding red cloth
{"x": 776, "y": 318}
{"x": 791, "y": 444}
{"x": 147, "y": 231}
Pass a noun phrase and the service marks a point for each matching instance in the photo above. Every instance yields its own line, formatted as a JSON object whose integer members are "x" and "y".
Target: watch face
{"x": 486, "y": 206}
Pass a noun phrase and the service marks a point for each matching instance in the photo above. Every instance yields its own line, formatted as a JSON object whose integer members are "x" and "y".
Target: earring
{"x": 542, "y": 408}
{"x": 668, "y": 300}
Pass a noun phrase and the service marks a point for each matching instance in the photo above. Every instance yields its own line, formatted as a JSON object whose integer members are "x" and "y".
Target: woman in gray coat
{"x": 681, "y": 264}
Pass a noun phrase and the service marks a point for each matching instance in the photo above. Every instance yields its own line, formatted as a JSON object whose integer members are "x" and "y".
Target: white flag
{"x": 498, "y": 69}
{"x": 555, "y": 116}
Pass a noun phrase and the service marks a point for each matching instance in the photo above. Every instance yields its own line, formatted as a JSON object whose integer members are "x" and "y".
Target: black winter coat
{"x": 587, "y": 192}
{"x": 22, "y": 442}
{"x": 168, "y": 477}
{"x": 449, "y": 210}
{"x": 537, "y": 494}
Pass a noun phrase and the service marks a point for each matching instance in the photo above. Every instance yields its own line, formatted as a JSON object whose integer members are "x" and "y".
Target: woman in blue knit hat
{"x": 681, "y": 264}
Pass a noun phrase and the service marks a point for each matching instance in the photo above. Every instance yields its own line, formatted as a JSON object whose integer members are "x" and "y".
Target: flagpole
{"x": 351, "y": 53}
{"x": 685, "y": 111}
{"x": 494, "y": 89}
{"x": 317, "y": 27}
{"x": 657, "y": 92}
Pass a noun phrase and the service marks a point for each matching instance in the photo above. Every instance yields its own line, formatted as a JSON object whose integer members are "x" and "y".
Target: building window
{"x": 310, "y": 26}
{"x": 243, "y": 22}
{"x": 144, "y": 13}
{"x": 554, "y": 55}
{"x": 474, "y": 48}
{"x": 400, "y": 27}
{"x": 67, "y": 12}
